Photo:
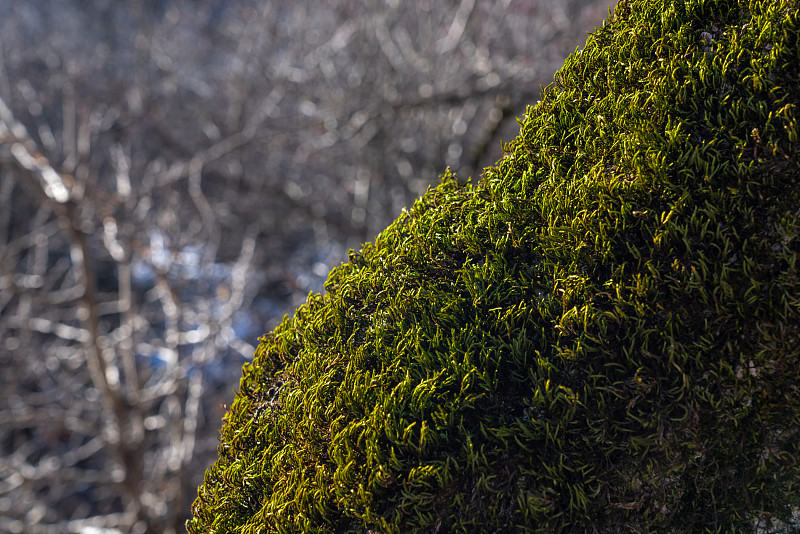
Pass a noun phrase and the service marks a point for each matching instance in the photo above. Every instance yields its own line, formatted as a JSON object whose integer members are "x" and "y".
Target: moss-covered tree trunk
{"x": 603, "y": 334}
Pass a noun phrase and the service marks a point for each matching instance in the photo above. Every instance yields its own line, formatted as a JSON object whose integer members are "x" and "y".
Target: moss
{"x": 603, "y": 334}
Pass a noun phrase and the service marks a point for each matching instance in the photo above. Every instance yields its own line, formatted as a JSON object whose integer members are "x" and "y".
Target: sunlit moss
{"x": 603, "y": 334}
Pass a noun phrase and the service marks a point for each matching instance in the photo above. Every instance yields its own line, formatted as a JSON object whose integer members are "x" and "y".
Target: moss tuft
{"x": 603, "y": 334}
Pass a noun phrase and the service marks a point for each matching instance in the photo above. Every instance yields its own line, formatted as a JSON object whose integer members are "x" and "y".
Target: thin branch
{"x": 457, "y": 27}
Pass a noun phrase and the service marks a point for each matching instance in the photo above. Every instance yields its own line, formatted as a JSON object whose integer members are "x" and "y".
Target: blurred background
{"x": 177, "y": 175}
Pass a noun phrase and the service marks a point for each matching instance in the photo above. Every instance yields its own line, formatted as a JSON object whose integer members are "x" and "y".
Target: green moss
{"x": 603, "y": 334}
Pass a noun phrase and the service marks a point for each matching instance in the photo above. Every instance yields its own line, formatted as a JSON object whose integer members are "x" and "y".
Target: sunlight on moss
{"x": 602, "y": 333}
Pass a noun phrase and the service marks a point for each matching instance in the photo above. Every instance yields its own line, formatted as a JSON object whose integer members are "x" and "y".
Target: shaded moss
{"x": 602, "y": 334}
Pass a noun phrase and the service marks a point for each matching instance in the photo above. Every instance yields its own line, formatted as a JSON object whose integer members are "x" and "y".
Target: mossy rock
{"x": 602, "y": 335}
